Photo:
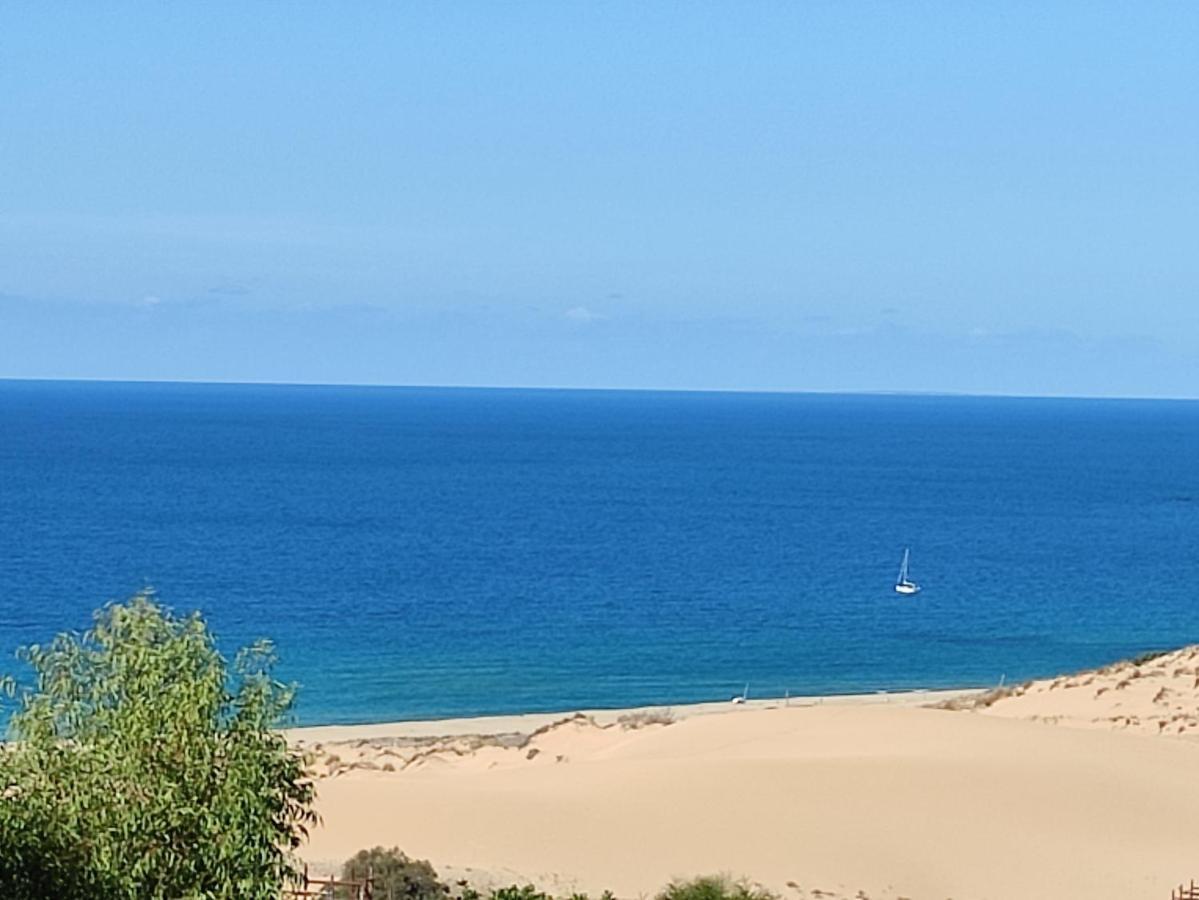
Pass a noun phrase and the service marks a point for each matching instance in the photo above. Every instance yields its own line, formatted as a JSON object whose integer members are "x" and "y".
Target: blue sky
{"x": 995, "y": 198}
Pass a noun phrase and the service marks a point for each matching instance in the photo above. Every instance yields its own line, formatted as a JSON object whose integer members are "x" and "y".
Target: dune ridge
{"x": 1155, "y": 694}
{"x": 970, "y": 797}
{"x": 332, "y": 759}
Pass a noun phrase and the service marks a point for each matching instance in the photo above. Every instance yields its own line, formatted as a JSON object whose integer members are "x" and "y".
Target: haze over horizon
{"x": 827, "y": 197}
{"x": 418, "y": 386}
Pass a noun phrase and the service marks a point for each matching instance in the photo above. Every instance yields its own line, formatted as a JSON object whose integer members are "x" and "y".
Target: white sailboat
{"x": 904, "y": 584}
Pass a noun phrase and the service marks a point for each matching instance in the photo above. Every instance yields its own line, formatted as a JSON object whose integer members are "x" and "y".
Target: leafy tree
{"x": 396, "y": 875}
{"x": 141, "y": 767}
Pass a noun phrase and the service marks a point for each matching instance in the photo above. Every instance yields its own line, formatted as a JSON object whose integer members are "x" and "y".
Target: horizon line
{"x": 875, "y": 392}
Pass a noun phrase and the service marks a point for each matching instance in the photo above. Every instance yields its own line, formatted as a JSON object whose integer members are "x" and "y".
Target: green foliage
{"x": 528, "y": 892}
{"x": 140, "y": 768}
{"x": 513, "y": 892}
{"x": 396, "y": 876}
{"x": 714, "y": 887}
{"x": 1150, "y": 656}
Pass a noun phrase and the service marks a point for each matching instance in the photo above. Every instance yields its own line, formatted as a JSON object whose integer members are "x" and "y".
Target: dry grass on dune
{"x": 332, "y": 759}
{"x": 1156, "y": 694}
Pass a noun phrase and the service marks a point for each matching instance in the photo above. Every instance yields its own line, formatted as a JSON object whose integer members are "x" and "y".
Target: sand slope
{"x": 885, "y": 799}
{"x": 1158, "y": 696}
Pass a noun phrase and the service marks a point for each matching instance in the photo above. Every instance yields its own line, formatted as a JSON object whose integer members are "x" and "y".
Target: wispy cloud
{"x": 583, "y": 315}
{"x": 229, "y": 290}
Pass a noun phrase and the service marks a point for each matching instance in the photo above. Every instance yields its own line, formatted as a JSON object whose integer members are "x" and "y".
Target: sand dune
{"x": 1158, "y": 696}
{"x": 875, "y": 799}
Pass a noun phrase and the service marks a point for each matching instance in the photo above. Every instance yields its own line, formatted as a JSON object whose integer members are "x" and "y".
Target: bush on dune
{"x": 711, "y": 887}
{"x": 142, "y": 768}
{"x": 523, "y": 892}
{"x": 395, "y": 875}
{"x": 515, "y": 892}
{"x": 714, "y": 887}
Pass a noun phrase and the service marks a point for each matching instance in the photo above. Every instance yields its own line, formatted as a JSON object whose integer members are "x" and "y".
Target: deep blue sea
{"x": 421, "y": 552}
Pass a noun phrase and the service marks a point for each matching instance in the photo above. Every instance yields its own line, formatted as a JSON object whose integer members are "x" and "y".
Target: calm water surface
{"x": 430, "y": 552}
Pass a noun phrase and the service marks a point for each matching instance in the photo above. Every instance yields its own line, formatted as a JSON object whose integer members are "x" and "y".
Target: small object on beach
{"x": 904, "y": 584}
{"x": 743, "y": 696}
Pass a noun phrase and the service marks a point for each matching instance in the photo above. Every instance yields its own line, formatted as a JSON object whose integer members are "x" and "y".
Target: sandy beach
{"x": 1080, "y": 786}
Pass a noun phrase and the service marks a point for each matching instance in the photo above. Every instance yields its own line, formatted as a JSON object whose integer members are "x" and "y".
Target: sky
{"x": 966, "y": 197}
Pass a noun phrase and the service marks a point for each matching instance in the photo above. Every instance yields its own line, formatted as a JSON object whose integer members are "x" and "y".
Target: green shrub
{"x": 396, "y": 876}
{"x": 142, "y": 769}
{"x": 519, "y": 892}
{"x": 528, "y": 892}
{"x": 714, "y": 887}
{"x": 513, "y": 892}
{"x": 1148, "y": 656}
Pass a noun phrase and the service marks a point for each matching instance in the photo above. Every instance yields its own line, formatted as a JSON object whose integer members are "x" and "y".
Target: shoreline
{"x": 913, "y": 795}
{"x": 526, "y": 722}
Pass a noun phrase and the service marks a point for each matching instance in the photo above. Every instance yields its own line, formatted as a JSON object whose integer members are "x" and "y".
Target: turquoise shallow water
{"x": 433, "y": 552}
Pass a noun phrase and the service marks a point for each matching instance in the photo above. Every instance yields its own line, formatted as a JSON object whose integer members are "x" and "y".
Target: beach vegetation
{"x": 395, "y": 875}
{"x": 644, "y": 718}
{"x": 522, "y": 892}
{"x": 142, "y": 765}
{"x": 982, "y": 699}
{"x": 1148, "y": 657}
{"x": 714, "y": 887}
{"x": 519, "y": 892}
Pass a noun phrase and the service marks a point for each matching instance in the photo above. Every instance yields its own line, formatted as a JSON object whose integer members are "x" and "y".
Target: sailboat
{"x": 904, "y": 584}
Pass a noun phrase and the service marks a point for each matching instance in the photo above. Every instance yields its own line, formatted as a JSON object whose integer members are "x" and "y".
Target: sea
{"x": 429, "y": 552}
